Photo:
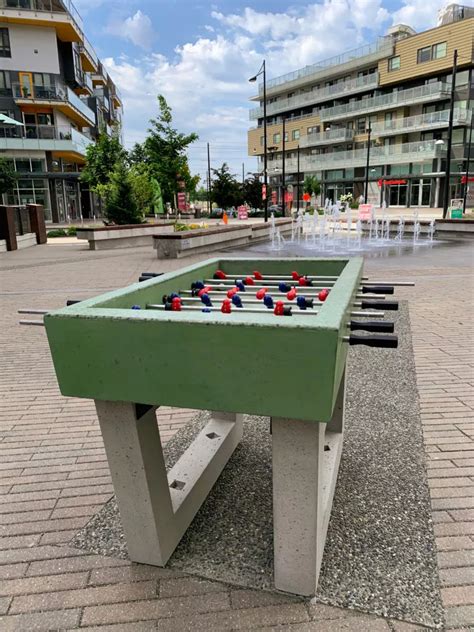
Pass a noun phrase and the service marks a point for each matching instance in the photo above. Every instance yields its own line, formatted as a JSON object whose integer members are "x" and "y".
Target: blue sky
{"x": 200, "y": 54}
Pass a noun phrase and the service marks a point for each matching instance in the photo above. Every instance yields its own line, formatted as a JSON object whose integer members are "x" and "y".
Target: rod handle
{"x": 151, "y": 274}
{"x": 387, "y": 342}
{"x": 377, "y": 289}
{"x": 388, "y": 305}
{"x": 71, "y": 302}
{"x": 381, "y": 326}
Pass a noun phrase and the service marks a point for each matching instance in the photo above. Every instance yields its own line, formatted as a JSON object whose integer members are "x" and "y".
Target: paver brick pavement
{"x": 54, "y": 474}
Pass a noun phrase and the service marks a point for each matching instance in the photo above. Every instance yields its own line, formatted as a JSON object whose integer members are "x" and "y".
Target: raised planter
{"x": 182, "y": 244}
{"x": 127, "y": 236}
{"x": 455, "y": 228}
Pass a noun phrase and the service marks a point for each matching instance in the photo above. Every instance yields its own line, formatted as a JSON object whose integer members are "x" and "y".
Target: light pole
{"x": 283, "y": 187}
{"x": 366, "y": 188}
{"x": 298, "y": 179}
{"x": 262, "y": 71}
{"x": 466, "y": 184}
{"x": 450, "y": 137}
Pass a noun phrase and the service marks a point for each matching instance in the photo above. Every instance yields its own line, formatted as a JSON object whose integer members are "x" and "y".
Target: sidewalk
{"x": 54, "y": 474}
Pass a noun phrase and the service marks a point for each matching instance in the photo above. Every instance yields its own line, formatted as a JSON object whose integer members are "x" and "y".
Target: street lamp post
{"x": 366, "y": 188}
{"x": 283, "y": 187}
{"x": 450, "y": 138}
{"x": 298, "y": 179}
{"x": 262, "y": 71}
{"x": 466, "y": 184}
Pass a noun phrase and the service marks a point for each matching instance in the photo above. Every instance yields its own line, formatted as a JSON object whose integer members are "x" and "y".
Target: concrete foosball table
{"x": 291, "y": 369}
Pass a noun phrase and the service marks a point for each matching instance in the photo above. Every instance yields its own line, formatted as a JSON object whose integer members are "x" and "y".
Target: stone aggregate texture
{"x": 54, "y": 474}
{"x": 380, "y": 554}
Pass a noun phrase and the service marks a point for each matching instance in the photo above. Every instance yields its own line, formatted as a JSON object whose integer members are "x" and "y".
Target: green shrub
{"x": 72, "y": 231}
{"x": 320, "y": 211}
{"x": 57, "y": 232}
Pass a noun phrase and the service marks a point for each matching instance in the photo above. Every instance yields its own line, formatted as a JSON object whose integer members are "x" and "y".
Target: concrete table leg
{"x": 306, "y": 456}
{"x": 157, "y": 507}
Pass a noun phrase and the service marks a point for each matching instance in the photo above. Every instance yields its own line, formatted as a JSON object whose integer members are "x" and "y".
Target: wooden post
{"x": 7, "y": 226}
{"x": 38, "y": 226}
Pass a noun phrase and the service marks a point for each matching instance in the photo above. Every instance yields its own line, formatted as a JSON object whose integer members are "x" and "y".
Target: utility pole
{"x": 209, "y": 205}
{"x": 466, "y": 185}
{"x": 243, "y": 173}
{"x": 366, "y": 188}
{"x": 298, "y": 179}
{"x": 283, "y": 187}
{"x": 447, "y": 180}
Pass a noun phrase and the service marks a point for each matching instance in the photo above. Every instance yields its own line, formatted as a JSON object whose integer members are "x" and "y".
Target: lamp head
{"x": 253, "y": 79}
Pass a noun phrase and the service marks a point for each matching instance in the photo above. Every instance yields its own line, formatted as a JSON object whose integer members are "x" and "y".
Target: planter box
{"x": 261, "y": 232}
{"x": 190, "y": 242}
{"x": 455, "y": 228}
{"x": 25, "y": 241}
{"x": 128, "y": 236}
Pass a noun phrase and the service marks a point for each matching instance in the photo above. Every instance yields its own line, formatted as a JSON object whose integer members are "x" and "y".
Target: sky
{"x": 200, "y": 54}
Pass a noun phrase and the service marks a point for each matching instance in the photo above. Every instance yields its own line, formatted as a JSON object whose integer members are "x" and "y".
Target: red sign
{"x": 274, "y": 197}
{"x": 264, "y": 191}
{"x": 365, "y": 211}
{"x": 381, "y": 181}
{"x": 181, "y": 201}
{"x": 306, "y": 197}
{"x": 242, "y": 212}
{"x": 465, "y": 179}
{"x": 288, "y": 196}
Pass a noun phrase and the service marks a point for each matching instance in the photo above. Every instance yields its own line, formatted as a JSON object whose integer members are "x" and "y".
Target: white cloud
{"x": 206, "y": 81}
{"x": 137, "y": 28}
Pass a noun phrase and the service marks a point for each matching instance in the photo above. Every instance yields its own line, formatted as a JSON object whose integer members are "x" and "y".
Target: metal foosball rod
{"x": 248, "y": 294}
{"x": 309, "y": 303}
{"x": 254, "y": 310}
{"x": 257, "y": 276}
{"x": 257, "y": 285}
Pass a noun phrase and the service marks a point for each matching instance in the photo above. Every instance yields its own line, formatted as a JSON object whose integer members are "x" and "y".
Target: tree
{"x": 225, "y": 190}
{"x": 164, "y": 152}
{"x": 7, "y": 176}
{"x": 121, "y": 206}
{"x": 311, "y": 185}
{"x": 142, "y": 188}
{"x": 252, "y": 191}
{"x": 101, "y": 160}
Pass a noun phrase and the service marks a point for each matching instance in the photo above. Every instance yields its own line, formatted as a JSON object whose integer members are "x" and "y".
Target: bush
{"x": 320, "y": 211}
{"x": 57, "y": 232}
{"x": 72, "y": 231}
{"x": 121, "y": 206}
{"x": 354, "y": 205}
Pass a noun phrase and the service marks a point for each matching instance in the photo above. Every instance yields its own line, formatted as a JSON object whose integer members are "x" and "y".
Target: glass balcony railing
{"x": 382, "y": 48}
{"x": 340, "y": 135}
{"x": 89, "y": 49}
{"x": 422, "y": 122}
{"x": 88, "y": 82}
{"x": 316, "y": 96}
{"x": 54, "y": 92}
{"x": 429, "y": 92}
{"x": 386, "y": 154}
{"x": 43, "y": 137}
{"x": 49, "y": 6}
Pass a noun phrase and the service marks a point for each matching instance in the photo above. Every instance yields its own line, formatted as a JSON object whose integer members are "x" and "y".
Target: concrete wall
{"x": 24, "y": 41}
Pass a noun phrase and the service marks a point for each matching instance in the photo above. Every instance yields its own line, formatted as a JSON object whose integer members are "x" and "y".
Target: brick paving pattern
{"x": 54, "y": 474}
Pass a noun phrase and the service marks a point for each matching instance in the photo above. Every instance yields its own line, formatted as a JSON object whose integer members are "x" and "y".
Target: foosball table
{"x": 231, "y": 336}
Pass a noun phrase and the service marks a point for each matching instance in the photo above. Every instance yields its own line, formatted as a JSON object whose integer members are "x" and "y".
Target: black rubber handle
{"x": 381, "y": 326}
{"x": 377, "y": 289}
{"x": 151, "y": 274}
{"x": 387, "y": 342}
{"x": 71, "y": 302}
{"x": 385, "y": 305}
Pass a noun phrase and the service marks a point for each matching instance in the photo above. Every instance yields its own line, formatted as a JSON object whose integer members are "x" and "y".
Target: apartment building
{"x": 55, "y": 97}
{"x": 399, "y": 87}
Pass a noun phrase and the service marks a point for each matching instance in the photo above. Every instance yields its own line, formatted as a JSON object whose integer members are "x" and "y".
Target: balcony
{"x": 420, "y": 151}
{"x": 433, "y": 120}
{"x": 422, "y": 94}
{"x": 85, "y": 85}
{"x": 100, "y": 77}
{"x": 338, "y": 65}
{"x": 316, "y": 96}
{"x": 341, "y": 135}
{"x": 89, "y": 59}
{"x": 116, "y": 96}
{"x": 63, "y": 141}
{"x": 59, "y": 14}
{"x": 58, "y": 96}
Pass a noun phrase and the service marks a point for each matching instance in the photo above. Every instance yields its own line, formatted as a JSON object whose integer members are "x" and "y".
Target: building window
{"x": 394, "y": 63}
{"x": 313, "y": 130}
{"x": 361, "y": 126}
{"x": 5, "y": 43}
{"x": 388, "y": 120}
{"x": 286, "y": 137}
{"x": 440, "y": 50}
{"x": 5, "y": 85}
{"x": 276, "y": 138}
{"x": 295, "y": 134}
{"x": 437, "y": 51}
{"x": 261, "y": 141}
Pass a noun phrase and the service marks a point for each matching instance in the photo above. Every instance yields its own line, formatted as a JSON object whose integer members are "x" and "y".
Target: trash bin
{"x": 456, "y": 213}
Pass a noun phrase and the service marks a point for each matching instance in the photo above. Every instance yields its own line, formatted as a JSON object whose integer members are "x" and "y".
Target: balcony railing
{"x": 89, "y": 49}
{"x": 382, "y": 47}
{"x": 429, "y": 92}
{"x": 44, "y": 137}
{"x": 386, "y": 154}
{"x": 49, "y": 6}
{"x": 410, "y": 124}
{"x": 316, "y": 96}
{"x": 54, "y": 92}
{"x": 340, "y": 135}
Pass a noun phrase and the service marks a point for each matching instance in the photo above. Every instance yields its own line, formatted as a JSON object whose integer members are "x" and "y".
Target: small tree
{"x": 252, "y": 191}
{"x": 142, "y": 188}
{"x": 101, "y": 159}
{"x": 225, "y": 189}
{"x": 312, "y": 186}
{"x": 7, "y": 176}
{"x": 121, "y": 206}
